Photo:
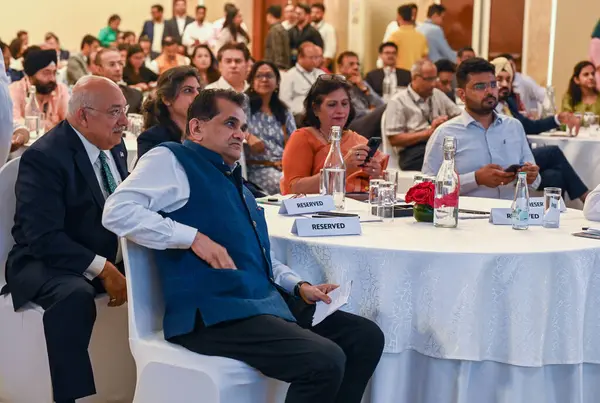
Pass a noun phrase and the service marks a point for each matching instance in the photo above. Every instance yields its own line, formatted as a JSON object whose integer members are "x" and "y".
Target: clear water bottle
{"x": 387, "y": 86}
{"x": 548, "y": 107}
{"x": 520, "y": 204}
{"x": 334, "y": 170}
{"x": 33, "y": 114}
{"x": 447, "y": 188}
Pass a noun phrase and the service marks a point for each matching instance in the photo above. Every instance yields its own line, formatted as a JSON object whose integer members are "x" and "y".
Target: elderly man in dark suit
{"x": 388, "y": 52}
{"x": 63, "y": 257}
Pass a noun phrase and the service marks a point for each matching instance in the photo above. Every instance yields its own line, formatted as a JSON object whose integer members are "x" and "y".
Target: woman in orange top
{"x": 327, "y": 104}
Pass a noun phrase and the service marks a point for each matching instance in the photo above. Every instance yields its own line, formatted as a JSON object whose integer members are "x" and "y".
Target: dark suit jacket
{"x": 58, "y": 228}
{"x": 154, "y": 136}
{"x": 172, "y": 30}
{"x": 133, "y": 97}
{"x": 375, "y": 79}
{"x": 148, "y": 30}
{"x": 530, "y": 126}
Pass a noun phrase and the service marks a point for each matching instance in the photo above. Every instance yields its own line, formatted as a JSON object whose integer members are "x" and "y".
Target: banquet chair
{"x": 169, "y": 372}
{"x": 24, "y": 369}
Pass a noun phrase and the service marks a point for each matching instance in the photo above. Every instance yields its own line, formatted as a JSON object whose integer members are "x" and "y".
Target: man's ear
{"x": 461, "y": 94}
{"x": 196, "y": 129}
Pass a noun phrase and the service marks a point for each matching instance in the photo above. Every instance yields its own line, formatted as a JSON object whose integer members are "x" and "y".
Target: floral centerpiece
{"x": 422, "y": 194}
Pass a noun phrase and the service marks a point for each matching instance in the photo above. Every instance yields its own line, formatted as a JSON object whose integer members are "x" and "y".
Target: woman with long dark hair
{"x": 165, "y": 112}
{"x": 204, "y": 60}
{"x": 582, "y": 95}
{"x": 327, "y": 104}
{"x": 232, "y": 30}
{"x": 270, "y": 123}
{"x": 135, "y": 73}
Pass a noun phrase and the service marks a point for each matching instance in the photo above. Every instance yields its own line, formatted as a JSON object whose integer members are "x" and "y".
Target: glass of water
{"x": 136, "y": 123}
{"x": 374, "y": 195}
{"x": 594, "y": 129}
{"x": 391, "y": 175}
{"x": 574, "y": 125}
{"x": 385, "y": 207}
{"x": 552, "y": 199}
{"x": 33, "y": 125}
{"x": 418, "y": 178}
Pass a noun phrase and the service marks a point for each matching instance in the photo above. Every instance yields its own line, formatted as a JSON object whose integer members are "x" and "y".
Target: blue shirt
{"x": 504, "y": 143}
{"x": 436, "y": 41}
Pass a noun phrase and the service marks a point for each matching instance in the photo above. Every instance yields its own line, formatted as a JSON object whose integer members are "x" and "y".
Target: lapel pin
{"x": 122, "y": 154}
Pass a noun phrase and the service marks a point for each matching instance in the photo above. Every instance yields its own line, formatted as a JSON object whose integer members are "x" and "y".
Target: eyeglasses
{"x": 485, "y": 86}
{"x": 265, "y": 76}
{"x": 332, "y": 77}
{"x": 114, "y": 113}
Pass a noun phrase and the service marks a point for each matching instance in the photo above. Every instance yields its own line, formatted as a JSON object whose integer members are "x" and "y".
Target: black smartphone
{"x": 513, "y": 168}
{"x": 373, "y": 144}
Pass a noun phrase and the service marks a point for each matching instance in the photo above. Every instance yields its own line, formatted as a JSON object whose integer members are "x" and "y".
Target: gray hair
{"x": 417, "y": 68}
{"x": 82, "y": 96}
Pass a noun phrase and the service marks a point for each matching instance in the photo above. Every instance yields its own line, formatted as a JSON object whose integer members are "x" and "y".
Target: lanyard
{"x": 428, "y": 116}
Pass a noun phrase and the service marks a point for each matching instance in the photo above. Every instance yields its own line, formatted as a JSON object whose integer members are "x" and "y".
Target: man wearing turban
{"x": 52, "y": 97}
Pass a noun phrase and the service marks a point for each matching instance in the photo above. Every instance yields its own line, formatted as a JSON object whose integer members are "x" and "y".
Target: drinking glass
{"x": 33, "y": 125}
{"x": 574, "y": 125}
{"x": 374, "y": 195}
{"x": 391, "y": 175}
{"x": 136, "y": 123}
{"x": 552, "y": 201}
{"x": 418, "y": 178}
{"x": 385, "y": 206}
{"x": 594, "y": 129}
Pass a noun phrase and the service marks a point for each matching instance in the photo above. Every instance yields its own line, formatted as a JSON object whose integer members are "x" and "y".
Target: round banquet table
{"x": 582, "y": 152}
{"x": 480, "y": 313}
{"x": 130, "y": 144}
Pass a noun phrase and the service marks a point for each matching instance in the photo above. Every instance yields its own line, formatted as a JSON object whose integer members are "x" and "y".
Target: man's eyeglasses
{"x": 331, "y": 77}
{"x": 485, "y": 86}
{"x": 114, "y": 113}
{"x": 265, "y": 76}
{"x": 428, "y": 79}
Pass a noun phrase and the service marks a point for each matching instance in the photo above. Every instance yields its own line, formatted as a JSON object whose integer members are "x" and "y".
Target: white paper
{"x": 305, "y": 205}
{"x": 339, "y": 298}
{"x": 332, "y": 226}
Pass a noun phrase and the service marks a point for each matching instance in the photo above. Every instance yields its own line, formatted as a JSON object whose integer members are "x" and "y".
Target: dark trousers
{"x": 331, "y": 362}
{"x": 69, "y": 316}
{"x": 411, "y": 158}
{"x": 556, "y": 171}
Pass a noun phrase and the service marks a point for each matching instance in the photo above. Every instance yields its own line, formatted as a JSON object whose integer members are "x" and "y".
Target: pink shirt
{"x": 53, "y": 105}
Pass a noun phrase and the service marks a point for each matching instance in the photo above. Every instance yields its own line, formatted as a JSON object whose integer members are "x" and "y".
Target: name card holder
{"x": 503, "y": 216}
{"x": 335, "y": 226}
{"x": 306, "y": 205}
{"x": 538, "y": 202}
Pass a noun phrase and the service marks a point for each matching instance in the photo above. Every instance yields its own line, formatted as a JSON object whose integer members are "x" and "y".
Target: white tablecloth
{"x": 583, "y": 152}
{"x": 470, "y": 315}
{"x": 479, "y": 292}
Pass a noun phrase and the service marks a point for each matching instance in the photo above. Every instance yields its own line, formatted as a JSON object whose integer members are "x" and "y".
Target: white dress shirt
{"x": 287, "y": 25}
{"x": 529, "y": 91}
{"x": 222, "y": 84}
{"x": 197, "y": 32}
{"x": 295, "y": 84}
{"x": 591, "y": 209}
{"x": 6, "y": 115}
{"x": 159, "y": 29}
{"x": 181, "y": 24}
{"x": 327, "y": 32}
{"x": 159, "y": 183}
{"x": 217, "y": 26}
{"x": 93, "y": 152}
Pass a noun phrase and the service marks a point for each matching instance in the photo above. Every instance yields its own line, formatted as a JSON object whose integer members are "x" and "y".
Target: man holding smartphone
{"x": 491, "y": 148}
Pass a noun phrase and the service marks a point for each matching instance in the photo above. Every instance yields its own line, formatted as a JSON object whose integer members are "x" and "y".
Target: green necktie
{"x": 107, "y": 177}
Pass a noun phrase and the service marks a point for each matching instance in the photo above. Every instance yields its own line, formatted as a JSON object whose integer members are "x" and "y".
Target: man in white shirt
{"x": 296, "y": 82}
{"x": 289, "y": 17}
{"x": 210, "y": 240}
{"x": 198, "y": 32}
{"x": 155, "y": 28}
{"x": 6, "y": 117}
{"x": 233, "y": 61}
{"x": 327, "y": 31}
{"x": 63, "y": 257}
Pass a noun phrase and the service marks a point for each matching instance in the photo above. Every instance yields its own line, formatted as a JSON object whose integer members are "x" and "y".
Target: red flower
{"x": 421, "y": 193}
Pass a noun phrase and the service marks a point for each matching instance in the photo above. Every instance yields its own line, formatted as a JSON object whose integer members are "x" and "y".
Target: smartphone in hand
{"x": 373, "y": 144}
{"x": 513, "y": 169}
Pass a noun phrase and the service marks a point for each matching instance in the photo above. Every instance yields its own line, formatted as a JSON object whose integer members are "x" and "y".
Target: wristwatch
{"x": 297, "y": 288}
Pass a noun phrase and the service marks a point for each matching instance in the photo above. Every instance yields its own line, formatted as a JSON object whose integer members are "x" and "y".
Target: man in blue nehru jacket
{"x": 224, "y": 293}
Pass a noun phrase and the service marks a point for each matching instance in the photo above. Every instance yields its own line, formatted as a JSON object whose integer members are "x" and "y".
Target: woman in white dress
{"x": 232, "y": 30}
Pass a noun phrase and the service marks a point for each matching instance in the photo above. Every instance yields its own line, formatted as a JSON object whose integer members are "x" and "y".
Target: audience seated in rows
{"x": 265, "y": 321}
{"x": 414, "y": 113}
{"x": 582, "y": 94}
{"x": 78, "y": 64}
{"x": 388, "y": 53}
{"x": 203, "y": 59}
{"x": 63, "y": 257}
{"x": 487, "y": 142}
{"x": 271, "y": 122}
{"x": 108, "y": 64}
{"x": 327, "y": 104}
{"x": 170, "y": 56}
{"x": 277, "y": 42}
{"x": 52, "y": 97}
{"x": 233, "y": 59}
{"x": 363, "y": 97}
{"x": 412, "y": 45}
{"x": 297, "y": 81}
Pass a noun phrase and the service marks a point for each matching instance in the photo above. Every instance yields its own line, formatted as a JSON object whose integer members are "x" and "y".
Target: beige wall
{"x": 538, "y": 40}
{"x": 575, "y": 21}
